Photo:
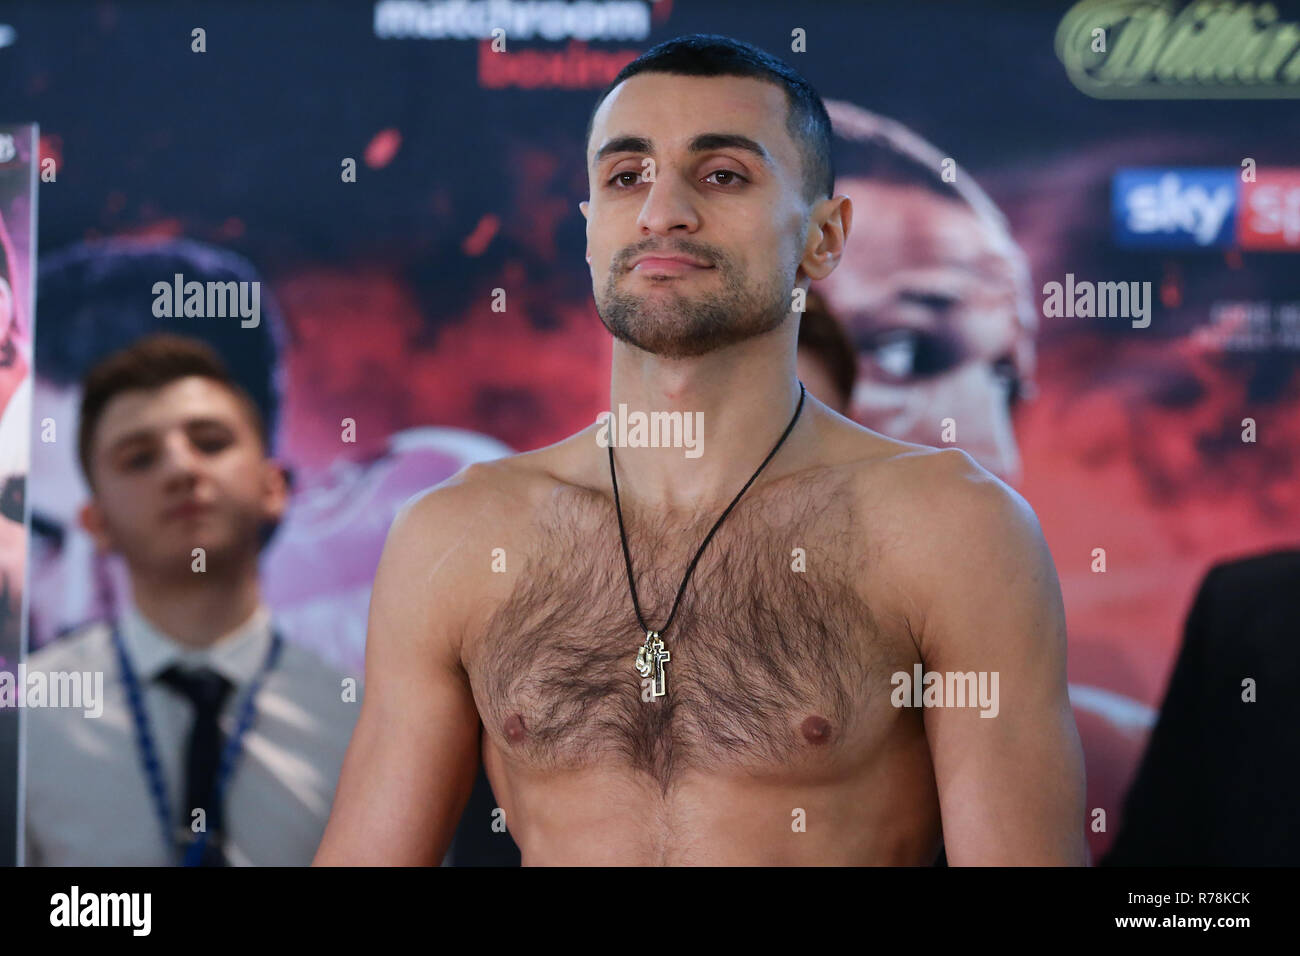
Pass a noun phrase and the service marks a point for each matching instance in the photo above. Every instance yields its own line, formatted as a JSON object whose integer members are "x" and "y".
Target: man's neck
{"x": 197, "y": 610}
{"x": 742, "y": 398}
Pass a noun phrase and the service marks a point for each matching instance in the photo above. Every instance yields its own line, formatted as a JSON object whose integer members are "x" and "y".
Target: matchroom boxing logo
{"x": 652, "y": 430}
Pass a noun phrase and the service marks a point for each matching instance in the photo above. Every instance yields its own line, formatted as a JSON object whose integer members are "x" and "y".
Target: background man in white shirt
{"x": 176, "y": 457}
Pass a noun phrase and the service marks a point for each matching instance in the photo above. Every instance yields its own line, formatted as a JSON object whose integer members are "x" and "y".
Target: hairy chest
{"x": 775, "y": 663}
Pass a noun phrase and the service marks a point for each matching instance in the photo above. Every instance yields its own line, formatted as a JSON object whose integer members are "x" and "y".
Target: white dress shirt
{"x": 87, "y": 795}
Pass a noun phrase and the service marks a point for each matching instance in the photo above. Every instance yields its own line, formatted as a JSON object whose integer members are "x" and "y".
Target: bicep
{"x": 410, "y": 764}
{"x": 1008, "y": 767}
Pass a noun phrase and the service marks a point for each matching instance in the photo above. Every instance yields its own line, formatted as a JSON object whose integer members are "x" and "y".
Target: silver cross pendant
{"x": 650, "y": 659}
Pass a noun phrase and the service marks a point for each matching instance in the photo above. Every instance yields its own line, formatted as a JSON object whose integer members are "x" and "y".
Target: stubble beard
{"x": 674, "y": 325}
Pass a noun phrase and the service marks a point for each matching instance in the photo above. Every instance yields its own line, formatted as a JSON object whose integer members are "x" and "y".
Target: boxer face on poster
{"x": 176, "y": 469}
{"x": 929, "y": 294}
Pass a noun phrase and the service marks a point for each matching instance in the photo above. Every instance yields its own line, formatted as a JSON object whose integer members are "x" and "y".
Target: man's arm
{"x": 987, "y": 600}
{"x": 411, "y": 762}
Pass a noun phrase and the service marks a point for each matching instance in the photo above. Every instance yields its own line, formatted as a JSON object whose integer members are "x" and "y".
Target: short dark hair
{"x": 95, "y": 297}
{"x": 708, "y": 54}
{"x": 149, "y": 364}
{"x": 821, "y": 333}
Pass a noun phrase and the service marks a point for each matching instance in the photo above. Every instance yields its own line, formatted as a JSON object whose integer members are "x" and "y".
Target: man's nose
{"x": 667, "y": 205}
{"x": 180, "y": 460}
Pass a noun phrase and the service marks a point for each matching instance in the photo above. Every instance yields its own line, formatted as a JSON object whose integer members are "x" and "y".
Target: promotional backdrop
{"x": 382, "y": 169}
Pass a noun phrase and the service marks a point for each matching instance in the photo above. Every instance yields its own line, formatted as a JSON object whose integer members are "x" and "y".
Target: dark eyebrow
{"x": 705, "y": 142}
{"x": 624, "y": 144}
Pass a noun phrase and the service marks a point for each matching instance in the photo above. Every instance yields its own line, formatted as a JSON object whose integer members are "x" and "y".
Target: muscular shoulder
{"x": 915, "y": 486}
{"x": 938, "y": 490}
{"x": 449, "y": 539}
{"x": 482, "y": 497}
{"x": 944, "y": 532}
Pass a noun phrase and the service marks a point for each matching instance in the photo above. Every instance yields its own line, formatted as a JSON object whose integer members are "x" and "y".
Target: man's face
{"x": 178, "y": 468}
{"x": 722, "y": 185}
{"x": 928, "y": 294}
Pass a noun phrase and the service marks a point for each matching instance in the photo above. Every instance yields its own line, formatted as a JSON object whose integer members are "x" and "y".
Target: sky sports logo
{"x": 1206, "y": 209}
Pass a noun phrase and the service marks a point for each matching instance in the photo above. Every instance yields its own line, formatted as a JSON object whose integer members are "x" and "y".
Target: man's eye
{"x": 897, "y": 357}
{"x": 137, "y": 461}
{"x": 211, "y": 443}
{"x": 728, "y": 173}
{"x": 903, "y": 354}
{"x": 617, "y": 177}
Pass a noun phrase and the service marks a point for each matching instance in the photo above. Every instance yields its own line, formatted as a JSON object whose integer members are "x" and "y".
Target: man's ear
{"x": 584, "y": 206}
{"x": 91, "y": 519}
{"x": 830, "y": 228}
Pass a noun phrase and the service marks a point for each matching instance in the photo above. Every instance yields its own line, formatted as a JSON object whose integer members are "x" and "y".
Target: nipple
{"x": 514, "y": 728}
{"x": 816, "y": 730}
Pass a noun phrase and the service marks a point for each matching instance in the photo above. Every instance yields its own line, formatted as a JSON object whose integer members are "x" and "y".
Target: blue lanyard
{"x": 149, "y": 753}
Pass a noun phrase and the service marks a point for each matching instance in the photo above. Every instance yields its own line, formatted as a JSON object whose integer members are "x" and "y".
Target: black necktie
{"x": 207, "y": 691}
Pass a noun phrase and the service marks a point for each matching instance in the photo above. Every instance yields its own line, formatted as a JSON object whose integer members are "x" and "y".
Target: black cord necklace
{"x": 650, "y": 659}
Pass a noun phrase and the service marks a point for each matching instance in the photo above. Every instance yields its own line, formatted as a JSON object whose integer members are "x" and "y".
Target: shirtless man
{"x": 502, "y": 622}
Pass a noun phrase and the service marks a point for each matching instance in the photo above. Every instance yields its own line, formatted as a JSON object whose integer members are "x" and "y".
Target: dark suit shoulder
{"x": 1257, "y": 581}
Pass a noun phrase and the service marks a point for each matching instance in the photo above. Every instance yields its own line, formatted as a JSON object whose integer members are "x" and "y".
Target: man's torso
{"x": 88, "y": 802}
{"x": 775, "y": 741}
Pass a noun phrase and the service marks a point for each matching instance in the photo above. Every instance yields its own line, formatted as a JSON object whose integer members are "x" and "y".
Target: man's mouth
{"x": 185, "y": 511}
{"x": 666, "y": 265}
